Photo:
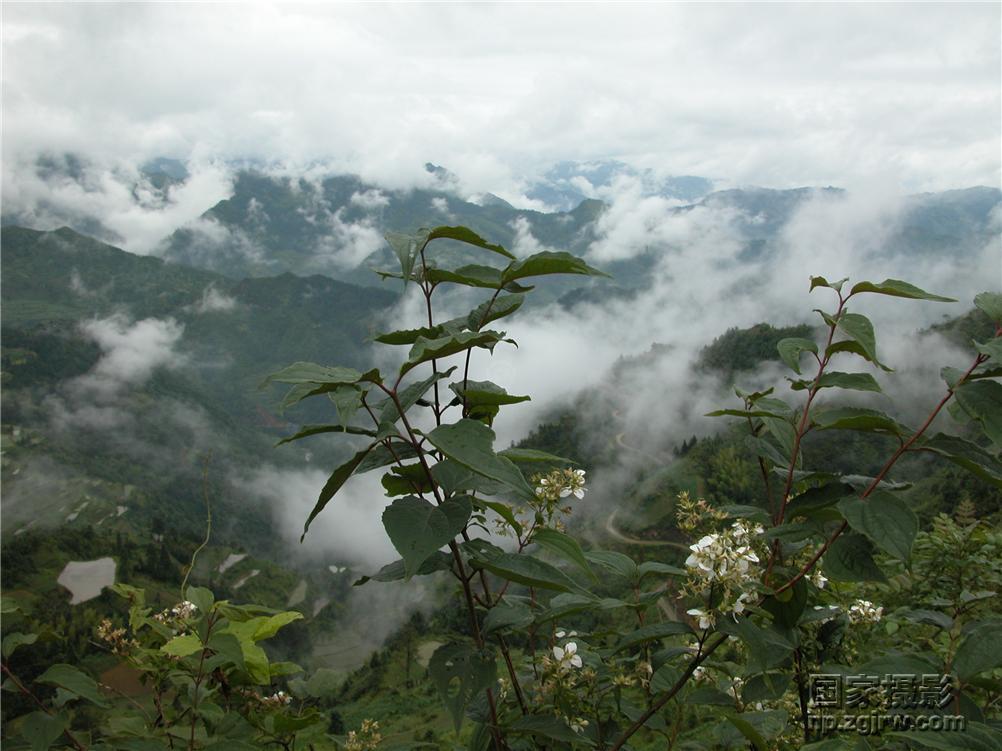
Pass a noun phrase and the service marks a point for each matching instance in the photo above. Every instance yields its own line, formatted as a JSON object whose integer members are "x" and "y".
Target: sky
{"x": 906, "y": 95}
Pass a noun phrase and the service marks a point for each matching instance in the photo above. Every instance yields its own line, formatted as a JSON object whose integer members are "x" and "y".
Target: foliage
{"x": 773, "y": 587}
{"x": 210, "y": 683}
{"x": 816, "y": 571}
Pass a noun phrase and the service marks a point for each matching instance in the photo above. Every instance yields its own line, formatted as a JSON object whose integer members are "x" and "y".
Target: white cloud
{"x": 767, "y": 94}
{"x": 370, "y": 199}
{"x": 214, "y": 301}
{"x": 350, "y": 527}
{"x": 348, "y": 243}
{"x": 130, "y": 351}
{"x": 132, "y": 212}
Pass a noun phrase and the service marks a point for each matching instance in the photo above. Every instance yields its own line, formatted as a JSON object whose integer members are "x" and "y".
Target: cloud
{"x": 214, "y": 301}
{"x": 766, "y": 94}
{"x": 370, "y": 199}
{"x": 112, "y": 200}
{"x": 350, "y": 529}
{"x": 130, "y": 351}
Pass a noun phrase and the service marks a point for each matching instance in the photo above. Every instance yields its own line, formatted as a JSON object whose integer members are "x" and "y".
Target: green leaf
{"x": 460, "y": 672}
{"x": 858, "y": 418}
{"x": 406, "y": 480}
{"x": 548, "y": 262}
{"x": 855, "y": 348}
{"x": 990, "y": 303}
{"x": 532, "y": 455}
{"x": 661, "y": 569}
{"x": 982, "y": 400}
{"x": 850, "y": 558}
{"x": 565, "y": 547}
{"x": 182, "y": 646}
{"x": 549, "y": 727}
{"x": 975, "y": 736}
{"x": 16, "y": 639}
{"x": 767, "y": 647}
{"x": 980, "y": 651}
{"x": 820, "y": 281}
{"x": 71, "y": 679}
{"x": 787, "y": 607}
{"x": 859, "y": 328}
{"x": 813, "y": 500}
{"x": 347, "y": 401}
{"x": 835, "y": 379}
{"x": 527, "y": 570}
{"x": 418, "y": 528}
{"x": 501, "y": 509}
{"x": 992, "y": 348}
{"x": 786, "y": 435}
{"x": 311, "y": 373}
{"x": 790, "y": 349}
{"x": 388, "y": 411}
{"x": 338, "y": 478}
{"x": 42, "y": 729}
{"x": 760, "y": 727}
{"x": 473, "y": 275}
{"x": 744, "y": 413}
{"x": 508, "y": 615}
{"x": 503, "y": 305}
{"x": 380, "y": 456}
{"x": 968, "y": 455}
{"x": 930, "y": 617}
{"x": 425, "y": 350}
{"x": 748, "y": 731}
{"x": 409, "y": 336}
{"x": 481, "y": 393}
{"x": 885, "y": 519}
{"x": 268, "y": 627}
{"x": 652, "y": 632}
{"x": 407, "y": 248}
{"x": 391, "y": 572}
{"x": 201, "y": 597}
{"x": 897, "y": 288}
{"x": 618, "y": 563}
{"x": 566, "y": 604}
{"x": 310, "y": 430}
{"x": 468, "y": 236}
{"x": 471, "y": 443}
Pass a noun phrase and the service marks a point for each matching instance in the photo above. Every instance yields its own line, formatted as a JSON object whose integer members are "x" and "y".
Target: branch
{"x": 883, "y": 472}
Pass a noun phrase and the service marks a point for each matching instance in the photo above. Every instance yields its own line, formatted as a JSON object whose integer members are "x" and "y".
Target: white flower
{"x": 699, "y": 673}
{"x": 864, "y": 611}
{"x": 740, "y": 603}
{"x": 706, "y": 619}
{"x": 567, "y": 656}
{"x": 818, "y": 579}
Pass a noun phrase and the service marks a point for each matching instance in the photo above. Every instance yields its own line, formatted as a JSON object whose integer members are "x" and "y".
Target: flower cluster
{"x": 727, "y": 556}
{"x": 864, "y": 611}
{"x": 692, "y": 514}
{"x": 366, "y": 738}
{"x": 277, "y": 699}
{"x": 180, "y": 612}
{"x": 727, "y": 563}
{"x": 551, "y": 490}
{"x": 115, "y": 638}
{"x": 561, "y": 483}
